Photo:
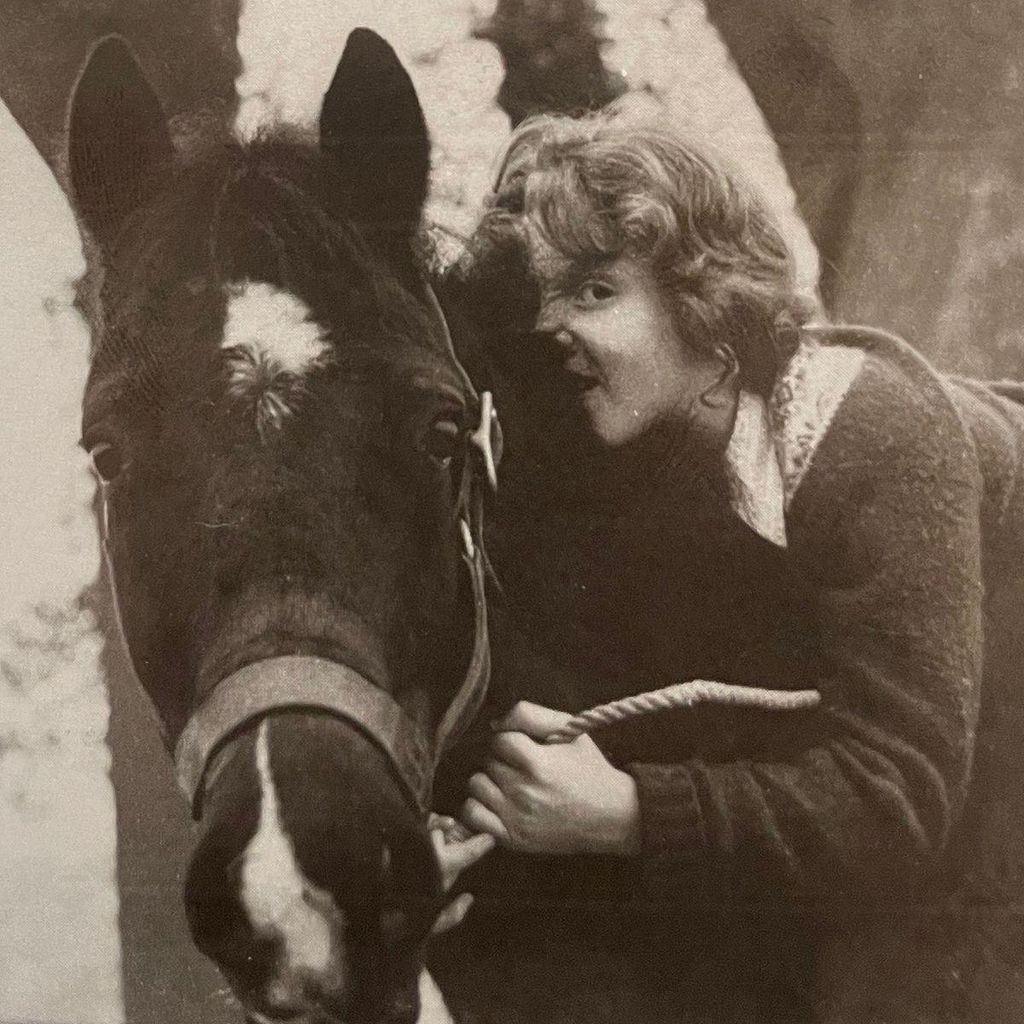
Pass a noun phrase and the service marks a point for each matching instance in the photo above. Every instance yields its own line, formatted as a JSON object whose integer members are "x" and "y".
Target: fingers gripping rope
{"x": 684, "y": 695}
{"x": 681, "y": 695}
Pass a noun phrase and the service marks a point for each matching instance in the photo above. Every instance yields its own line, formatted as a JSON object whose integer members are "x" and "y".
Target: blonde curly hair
{"x": 591, "y": 189}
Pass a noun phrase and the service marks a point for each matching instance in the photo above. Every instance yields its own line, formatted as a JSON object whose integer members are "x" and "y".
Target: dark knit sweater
{"x": 912, "y": 488}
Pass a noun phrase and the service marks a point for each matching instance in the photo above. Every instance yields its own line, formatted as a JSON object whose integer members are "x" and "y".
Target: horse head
{"x": 291, "y": 516}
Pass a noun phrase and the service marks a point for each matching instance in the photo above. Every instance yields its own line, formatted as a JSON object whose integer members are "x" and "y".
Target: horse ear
{"x": 118, "y": 143}
{"x": 372, "y": 122}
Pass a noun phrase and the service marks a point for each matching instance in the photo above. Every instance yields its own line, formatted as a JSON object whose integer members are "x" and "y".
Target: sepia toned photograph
{"x": 512, "y": 512}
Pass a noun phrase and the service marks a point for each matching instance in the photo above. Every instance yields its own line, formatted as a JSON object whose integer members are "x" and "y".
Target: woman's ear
{"x": 724, "y": 388}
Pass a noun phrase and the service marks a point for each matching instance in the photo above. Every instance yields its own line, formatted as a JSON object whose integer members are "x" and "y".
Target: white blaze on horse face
{"x": 282, "y": 903}
{"x": 272, "y": 344}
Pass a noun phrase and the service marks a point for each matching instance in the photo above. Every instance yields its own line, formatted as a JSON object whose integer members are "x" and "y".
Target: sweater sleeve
{"x": 886, "y": 526}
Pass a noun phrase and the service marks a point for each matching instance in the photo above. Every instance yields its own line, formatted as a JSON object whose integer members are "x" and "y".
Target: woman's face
{"x": 622, "y": 351}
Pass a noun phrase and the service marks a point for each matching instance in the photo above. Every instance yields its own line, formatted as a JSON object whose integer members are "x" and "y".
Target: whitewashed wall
{"x": 59, "y": 954}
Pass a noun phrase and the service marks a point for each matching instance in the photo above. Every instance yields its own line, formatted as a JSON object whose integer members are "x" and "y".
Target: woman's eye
{"x": 443, "y": 439}
{"x": 106, "y": 461}
{"x": 595, "y": 291}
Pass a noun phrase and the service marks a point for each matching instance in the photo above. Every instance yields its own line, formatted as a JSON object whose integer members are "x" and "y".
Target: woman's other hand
{"x": 562, "y": 798}
{"x": 455, "y": 852}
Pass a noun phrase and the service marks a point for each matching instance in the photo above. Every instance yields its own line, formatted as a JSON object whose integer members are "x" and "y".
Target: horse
{"x": 293, "y": 465}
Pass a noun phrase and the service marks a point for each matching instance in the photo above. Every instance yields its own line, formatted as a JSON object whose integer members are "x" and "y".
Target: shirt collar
{"x": 755, "y": 479}
{"x": 774, "y": 442}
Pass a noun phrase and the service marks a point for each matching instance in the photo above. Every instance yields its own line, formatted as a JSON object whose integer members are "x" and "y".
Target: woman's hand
{"x": 558, "y": 798}
{"x": 455, "y": 852}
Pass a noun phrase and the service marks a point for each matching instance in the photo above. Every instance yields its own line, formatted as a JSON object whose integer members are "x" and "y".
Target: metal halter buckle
{"x": 486, "y": 439}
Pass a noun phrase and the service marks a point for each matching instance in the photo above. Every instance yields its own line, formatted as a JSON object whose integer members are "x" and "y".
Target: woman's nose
{"x": 552, "y": 322}
{"x": 551, "y": 317}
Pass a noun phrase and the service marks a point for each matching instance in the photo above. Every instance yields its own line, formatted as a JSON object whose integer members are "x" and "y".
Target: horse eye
{"x": 106, "y": 461}
{"x": 443, "y": 439}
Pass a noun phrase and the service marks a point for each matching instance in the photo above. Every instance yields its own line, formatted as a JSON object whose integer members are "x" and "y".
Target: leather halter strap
{"x": 293, "y": 682}
{"x": 301, "y": 681}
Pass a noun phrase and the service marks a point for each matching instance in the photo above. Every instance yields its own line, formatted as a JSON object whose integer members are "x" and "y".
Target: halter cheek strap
{"x": 470, "y": 696}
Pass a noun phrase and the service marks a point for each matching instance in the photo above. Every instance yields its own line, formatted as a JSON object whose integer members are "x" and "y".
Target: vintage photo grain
{"x": 511, "y": 512}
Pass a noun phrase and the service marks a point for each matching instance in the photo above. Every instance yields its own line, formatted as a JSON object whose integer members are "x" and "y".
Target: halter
{"x": 302, "y": 681}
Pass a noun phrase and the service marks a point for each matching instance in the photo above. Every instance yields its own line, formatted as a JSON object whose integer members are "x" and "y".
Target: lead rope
{"x": 683, "y": 695}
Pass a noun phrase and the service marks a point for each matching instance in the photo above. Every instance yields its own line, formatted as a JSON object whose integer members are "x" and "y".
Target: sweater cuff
{"x": 674, "y": 847}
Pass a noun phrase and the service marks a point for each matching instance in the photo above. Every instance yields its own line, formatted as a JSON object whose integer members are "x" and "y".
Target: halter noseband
{"x": 302, "y": 681}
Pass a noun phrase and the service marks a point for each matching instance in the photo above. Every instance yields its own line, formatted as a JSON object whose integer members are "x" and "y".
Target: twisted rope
{"x": 684, "y": 695}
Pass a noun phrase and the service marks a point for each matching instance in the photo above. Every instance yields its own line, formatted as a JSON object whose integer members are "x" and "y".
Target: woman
{"x": 886, "y": 492}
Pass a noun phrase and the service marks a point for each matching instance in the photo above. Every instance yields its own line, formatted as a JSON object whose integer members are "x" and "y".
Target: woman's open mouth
{"x": 580, "y": 381}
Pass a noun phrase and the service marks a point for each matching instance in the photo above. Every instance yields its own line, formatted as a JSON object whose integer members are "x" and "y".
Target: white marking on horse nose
{"x": 282, "y": 903}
